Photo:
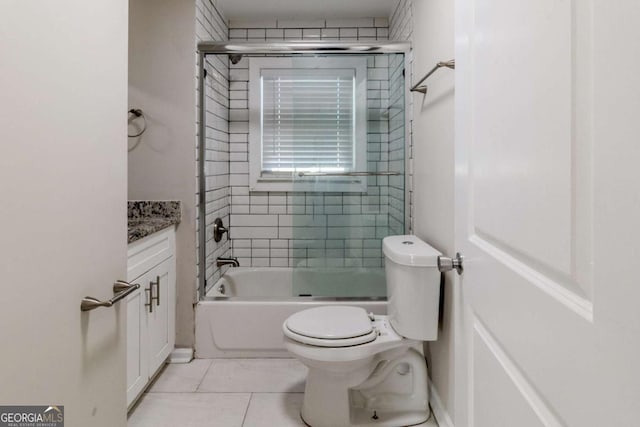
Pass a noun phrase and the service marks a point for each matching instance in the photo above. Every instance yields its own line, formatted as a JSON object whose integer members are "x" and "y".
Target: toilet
{"x": 367, "y": 369}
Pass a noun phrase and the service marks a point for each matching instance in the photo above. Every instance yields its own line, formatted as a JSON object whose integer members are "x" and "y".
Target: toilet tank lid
{"x": 410, "y": 250}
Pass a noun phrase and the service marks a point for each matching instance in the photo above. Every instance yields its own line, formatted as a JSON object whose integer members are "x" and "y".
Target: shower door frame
{"x": 291, "y": 47}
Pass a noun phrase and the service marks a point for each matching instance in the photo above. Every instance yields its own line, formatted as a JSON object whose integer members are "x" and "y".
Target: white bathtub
{"x": 246, "y": 320}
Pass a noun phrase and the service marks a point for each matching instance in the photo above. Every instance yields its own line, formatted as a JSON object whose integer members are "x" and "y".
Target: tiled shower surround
{"x": 401, "y": 28}
{"x": 281, "y": 229}
{"x": 397, "y": 144}
{"x": 211, "y": 25}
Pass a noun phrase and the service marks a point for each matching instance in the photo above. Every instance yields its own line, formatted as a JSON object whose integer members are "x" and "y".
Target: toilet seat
{"x": 331, "y": 326}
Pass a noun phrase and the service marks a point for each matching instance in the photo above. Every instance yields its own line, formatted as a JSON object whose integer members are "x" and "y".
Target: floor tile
{"x": 430, "y": 423}
{"x": 181, "y": 377}
{"x": 226, "y": 393}
{"x": 190, "y": 410}
{"x": 255, "y": 375}
{"x": 274, "y": 409}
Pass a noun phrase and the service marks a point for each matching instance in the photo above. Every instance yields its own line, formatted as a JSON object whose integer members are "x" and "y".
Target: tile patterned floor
{"x": 225, "y": 393}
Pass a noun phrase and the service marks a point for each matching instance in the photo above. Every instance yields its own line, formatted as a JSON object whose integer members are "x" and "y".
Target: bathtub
{"x": 242, "y": 314}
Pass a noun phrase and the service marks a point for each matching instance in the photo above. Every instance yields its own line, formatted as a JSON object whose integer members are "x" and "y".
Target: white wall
{"x": 433, "y": 167}
{"x": 430, "y": 25}
{"x": 163, "y": 164}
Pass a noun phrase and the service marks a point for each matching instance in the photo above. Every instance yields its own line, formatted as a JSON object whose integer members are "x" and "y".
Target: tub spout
{"x": 232, "y": 261}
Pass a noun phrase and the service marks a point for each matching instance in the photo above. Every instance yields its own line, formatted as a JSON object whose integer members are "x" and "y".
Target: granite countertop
{"x": 149, "y": 216}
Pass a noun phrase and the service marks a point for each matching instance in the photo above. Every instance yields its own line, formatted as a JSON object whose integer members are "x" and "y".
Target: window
{"x": 307, "y": 115}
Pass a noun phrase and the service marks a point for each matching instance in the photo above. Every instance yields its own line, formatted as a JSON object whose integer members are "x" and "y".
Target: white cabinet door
{"x": 161, "y": 316}
{"x": 151, "y": 311}
{"x": 547, "y": 209}
{"x": 137, "y": 361}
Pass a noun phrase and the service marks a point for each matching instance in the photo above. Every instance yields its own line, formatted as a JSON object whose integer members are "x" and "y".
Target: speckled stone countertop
{"x": 148, "y": 216}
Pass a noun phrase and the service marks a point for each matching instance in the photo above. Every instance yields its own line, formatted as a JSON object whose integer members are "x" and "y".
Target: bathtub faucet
{"x": 232, "y": 261}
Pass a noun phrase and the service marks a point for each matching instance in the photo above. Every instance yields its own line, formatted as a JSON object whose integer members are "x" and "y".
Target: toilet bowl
{"x": 367, "y": 369}
{"x": 357, "y": 377}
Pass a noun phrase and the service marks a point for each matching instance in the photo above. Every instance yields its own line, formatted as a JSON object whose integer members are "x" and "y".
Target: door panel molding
{"x": 522, "y": 187}
{"x": 556, "y": 290}
{"x": 560, "y": 246}
{"x": 527, "y": 391}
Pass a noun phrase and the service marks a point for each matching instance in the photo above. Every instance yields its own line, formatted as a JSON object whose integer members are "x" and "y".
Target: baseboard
{"x": 439, "y": 411}
{"x": 181, "y": 355}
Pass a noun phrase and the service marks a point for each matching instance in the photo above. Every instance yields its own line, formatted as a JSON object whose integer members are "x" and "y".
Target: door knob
{"x": 447, "y": 264}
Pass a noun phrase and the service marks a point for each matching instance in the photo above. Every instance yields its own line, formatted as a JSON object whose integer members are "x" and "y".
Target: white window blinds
{"x": 308, "y": 120}
{"x": 307, "y": 114}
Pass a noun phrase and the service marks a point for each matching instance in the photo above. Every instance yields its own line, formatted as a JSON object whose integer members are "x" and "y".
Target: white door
{"x": 548, "y": 212}
{"x": 63, "y": 158}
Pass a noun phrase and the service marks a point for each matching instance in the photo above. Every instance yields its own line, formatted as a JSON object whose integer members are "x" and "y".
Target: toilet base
{"x": 388, "y": 390}
{"x": 393, "y": 419}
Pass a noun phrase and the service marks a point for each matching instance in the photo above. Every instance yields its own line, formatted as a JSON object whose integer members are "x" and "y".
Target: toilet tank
{"x": 413, "y": 287}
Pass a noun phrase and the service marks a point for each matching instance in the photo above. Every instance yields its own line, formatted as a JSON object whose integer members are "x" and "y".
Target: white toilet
{"x": 367, "y": 369}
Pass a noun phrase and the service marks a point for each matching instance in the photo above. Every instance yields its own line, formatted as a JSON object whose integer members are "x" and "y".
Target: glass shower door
{"x": 349, "y": 179}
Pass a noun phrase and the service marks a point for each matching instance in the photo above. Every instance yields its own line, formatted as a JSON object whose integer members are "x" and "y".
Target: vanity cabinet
{"x": 151, "y": 309}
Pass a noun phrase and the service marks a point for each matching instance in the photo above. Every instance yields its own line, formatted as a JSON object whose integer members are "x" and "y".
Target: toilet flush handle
{"x": 447, "y": 264}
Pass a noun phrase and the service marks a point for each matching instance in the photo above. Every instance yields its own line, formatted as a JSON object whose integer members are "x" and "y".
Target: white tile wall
{"x": 334, "y": 229}
{"x": 401, "y": 28}
{"x": 397, "y": 137}
{"x": 328, "y": 227}
{"x": 318, "y": 29}
{"x": 211, "y": 25}
{"x": 401, "y": 22}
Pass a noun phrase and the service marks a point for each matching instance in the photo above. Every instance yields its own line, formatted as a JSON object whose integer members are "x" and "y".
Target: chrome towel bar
{"x": 121, "y": 289}
{"x": 348, "y": 173}
{"x": 423, "y": 89}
